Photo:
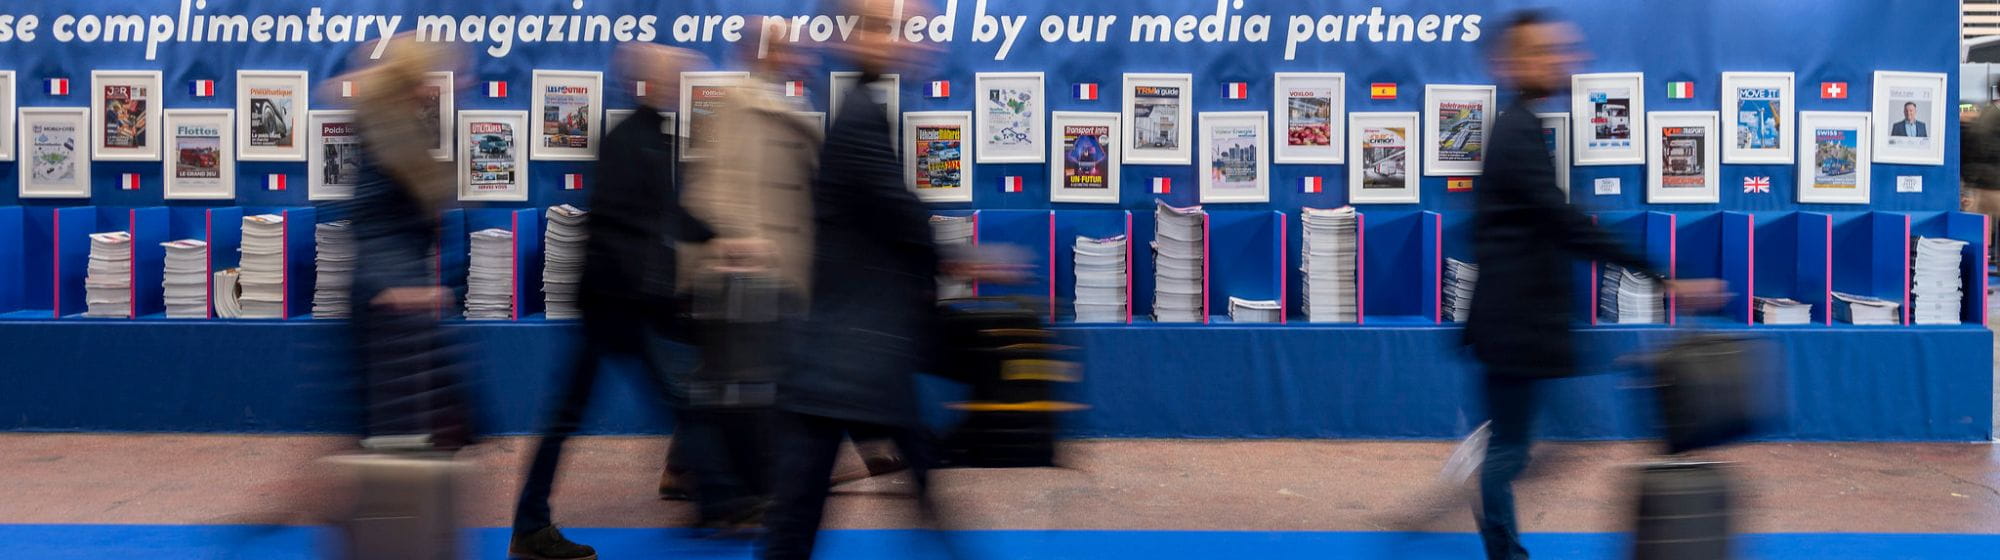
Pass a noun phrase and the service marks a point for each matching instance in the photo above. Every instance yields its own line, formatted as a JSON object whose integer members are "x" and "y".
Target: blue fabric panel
{"x": 1396, "y": 279}
{"x": 38, "y": 249}
{"x": 225, "y": 237}
{"x": 13, "y": 258}
{"x": 1430, "y": 270}
{"x": 1779, "y": 258}
{"x": 1086, "y": 223}
{"x": 1815, "y": 235}
{"x": 299, "y": 257}
{"x": 187, "y": 222}
{"x": 1738, "y": 238}
{"x": 453, "y": 257}
{"x": 1972, "y": 229}
{"x": 528, "y": 299}
{"x": 149, "y": 230}
{"x": 1854, "y": 255}
{"x": 1028, "y": 230}
{"x": 73, "y": 227}
{"x": 1244, "y": 258}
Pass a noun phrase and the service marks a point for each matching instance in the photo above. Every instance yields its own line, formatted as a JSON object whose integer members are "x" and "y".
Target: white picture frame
{"x": 137, "y": 137}
{"x": 1466, "y": 155}
{"x": 333, "y": 165}
{"x": 888, "y": 90}
{"x": 200, "y": 163}
{"x": 1831, "y": 188}
{"x": 1758, "y": 131}
{"x": 917, "y": 129}
{"x": 1612, "y": 147}
{"x": 55, "y": 152}
{"x": 445, "y": 86}
{"x": 1063, "y": 164}
{"x": 815, "y": 120}
{"x": 1010, "y": 109}
{"x": 1555, "y": 133}
{"x": 1372, "y": 177}
{"x": 7, "y": 121}
{"x": 271, "y": 106}
{"x": 714, "y": 89}
{"x": 1679, "y": 173}
{"x": 1309, "y": 136}
{"x": 1145, "y": 140}
{"x": 1923, "y": 142}
{"x": 482, "y": 137}
{"x": 560, "y": 139}
{"x": 1235, "y": 144}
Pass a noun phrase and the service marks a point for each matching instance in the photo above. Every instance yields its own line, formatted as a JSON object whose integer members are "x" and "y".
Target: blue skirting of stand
{"x": 1217, "y": 381}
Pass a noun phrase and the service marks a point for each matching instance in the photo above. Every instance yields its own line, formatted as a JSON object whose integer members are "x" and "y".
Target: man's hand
{"x": 1699, "y": 294}
{"x": 410, "y": 299}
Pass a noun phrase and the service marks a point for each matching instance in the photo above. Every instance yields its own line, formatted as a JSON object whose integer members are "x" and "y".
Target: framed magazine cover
{"x": 1684, "y": 167}
{"x": 704, "y": 95}
{"x": 814, "y": 119}
{"x": 1311, "y": 113}
{"x": 1157, "y": 112}
{"x": 1378, "y": 149}
{"x": 54, "y": 143}
{"x": 1555, "y": 137}
{"x": 271, "y": 108}
{"x": 333, "y": 159}
{"x": 492, "y": 162}
{"x": 201, "y": 154}
{"x": 1236, "y": 157}
{"x": 1010, "y": 108}
{"x": 1456, "y": 118}
{"x": 7, "y": 102}
{"x": 1083, "y": 159}
{"x": 1607, "y": 118}
{"x": 888, "y": 90}
{"x": 439, "y": 92}
{"x": 935, "y": 165}
{"x": 1758, "y": 106}
{"x": 127, "y": 104}
{"x": 1910, "y": 117}
{"x": 1834, "y": 157}
{"x": 568, "y": 107}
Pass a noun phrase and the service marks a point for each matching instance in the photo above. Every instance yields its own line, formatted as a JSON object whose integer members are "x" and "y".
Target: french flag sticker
{"x": 1163, "y": 185}
{"x": 1085, "y": 92}
{"x": 940, "y": 89}
{"x": 639, "y": 88}
{"x": 57, "y": 86}
{"x": 1236, "y": 90}
{"x": 202, "y": 88}
{"x": 496, "y": 89}
{"x": 347, "y": 88}
{"x": 129, "y": 182}
{"x": 572, "y": 181}
{"x": 1311, "y": 184}
{"x": 274, "y": 182}
{"x": 1010, "y": 183}
{"x": 795, "y": 88}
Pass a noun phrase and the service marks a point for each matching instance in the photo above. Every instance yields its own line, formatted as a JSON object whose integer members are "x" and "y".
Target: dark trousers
{"x": 808, "y": 446}
{"x": 531, "y": 513}
{"x": 1510, "y": 406}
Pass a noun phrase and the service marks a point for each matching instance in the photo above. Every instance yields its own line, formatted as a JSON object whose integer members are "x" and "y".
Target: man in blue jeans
{"x": 1526, "y": 238}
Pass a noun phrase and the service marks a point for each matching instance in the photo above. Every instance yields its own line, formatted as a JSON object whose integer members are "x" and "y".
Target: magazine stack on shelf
{"x": 1328, "y": 262}
{"x": 1863, "y": 310}
{"x": 1254, "y": 310}
{"x": 262, "y": 272}
{"x": 1935, "y": 284}
{"x": 953, "y": 235}
{"x": 1178, "y": 268}
{"x": 333, "y": 258}
{"x": 1459, "y": 278}
{"x": 184, "y": 285}
{"x": 490, "y": 280}
{"x": 1628, "y": 297}
{"x": 563, "y": 249}
{"x": 107, "y": 285}
{"x": 228, "y": 293}
{"x": 1101, "y": 281}
{"x": 1783, "y": 311}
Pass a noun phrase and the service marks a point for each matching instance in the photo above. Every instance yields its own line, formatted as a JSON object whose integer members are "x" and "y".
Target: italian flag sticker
{"x": 1680, "y": 90}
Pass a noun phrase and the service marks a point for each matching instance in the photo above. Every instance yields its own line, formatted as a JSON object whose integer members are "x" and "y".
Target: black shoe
{"x": 548, "y": 544}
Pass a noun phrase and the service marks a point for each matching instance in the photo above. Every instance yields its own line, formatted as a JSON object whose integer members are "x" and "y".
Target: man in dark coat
{"x": 626, "y": 293}
{"x": 1526, "y": 238}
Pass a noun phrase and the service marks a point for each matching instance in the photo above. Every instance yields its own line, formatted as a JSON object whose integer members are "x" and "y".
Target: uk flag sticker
{"x": 1759, "y": 184}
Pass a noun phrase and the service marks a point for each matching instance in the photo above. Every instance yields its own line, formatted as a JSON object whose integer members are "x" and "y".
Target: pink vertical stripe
{"x": 1128, "y": 267}
{"x": 1750, "y": 301}
{"x": 514, "y": 285}
{"x": 132, "y": 266}
{"x": 1052, "y": 262}
{"x": 285, "y": 268}
{"x": 1360, "y": 267}
{"x": 1437, "y": 274}
{"x": 1284, "y": 283}
{"x": 1204, "y": 266}
{"x": 1985, "y": 250}
{"x": 55, "y": 265}
{"x": 1593, "y": 283}
{"x": 1827, "y": 302}
{"x": 1906, "y": 269}
{"x": 208, "y": 264}
{"x": 975, "y": 243}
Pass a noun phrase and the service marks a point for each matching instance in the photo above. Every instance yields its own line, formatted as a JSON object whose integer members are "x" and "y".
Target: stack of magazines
{"x": 953, "y": 235}
{"x": 262, "y": 272}
{"x": 107, "y": 285}
{"x": 563, "y": 249}
{"x": 1863, "y": 310}
{"x": 1783, "y": 311}
{"x": 185, "y": 283}
{"x": 333, "y": 257}
{"x": 1627, "y": 296}
{"x": 1254, "y": 310}
{"x": 1327, "y": 260}
{"x": 228, "y": 293}
{"x": 1459, "y": 279}
{"x": 1178, "y": 253}
{"x": 1935, "y": 281}
{"x": 1101, "y": 281}
{"x": 489, "y": 281}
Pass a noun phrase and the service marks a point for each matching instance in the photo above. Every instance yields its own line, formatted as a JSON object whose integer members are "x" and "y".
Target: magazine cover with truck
{"x": 492, "y": 164}
{"x": 1684, "y": 164}
{"x": 1607, "y": 118}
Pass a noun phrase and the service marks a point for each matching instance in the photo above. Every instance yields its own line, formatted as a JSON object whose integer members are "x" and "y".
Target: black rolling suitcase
{"x": 739, "y": 324}
{"x": 1003, "y": 350}
{"x": 1684, "y": 512}
{"x": 1706, "y": 386}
